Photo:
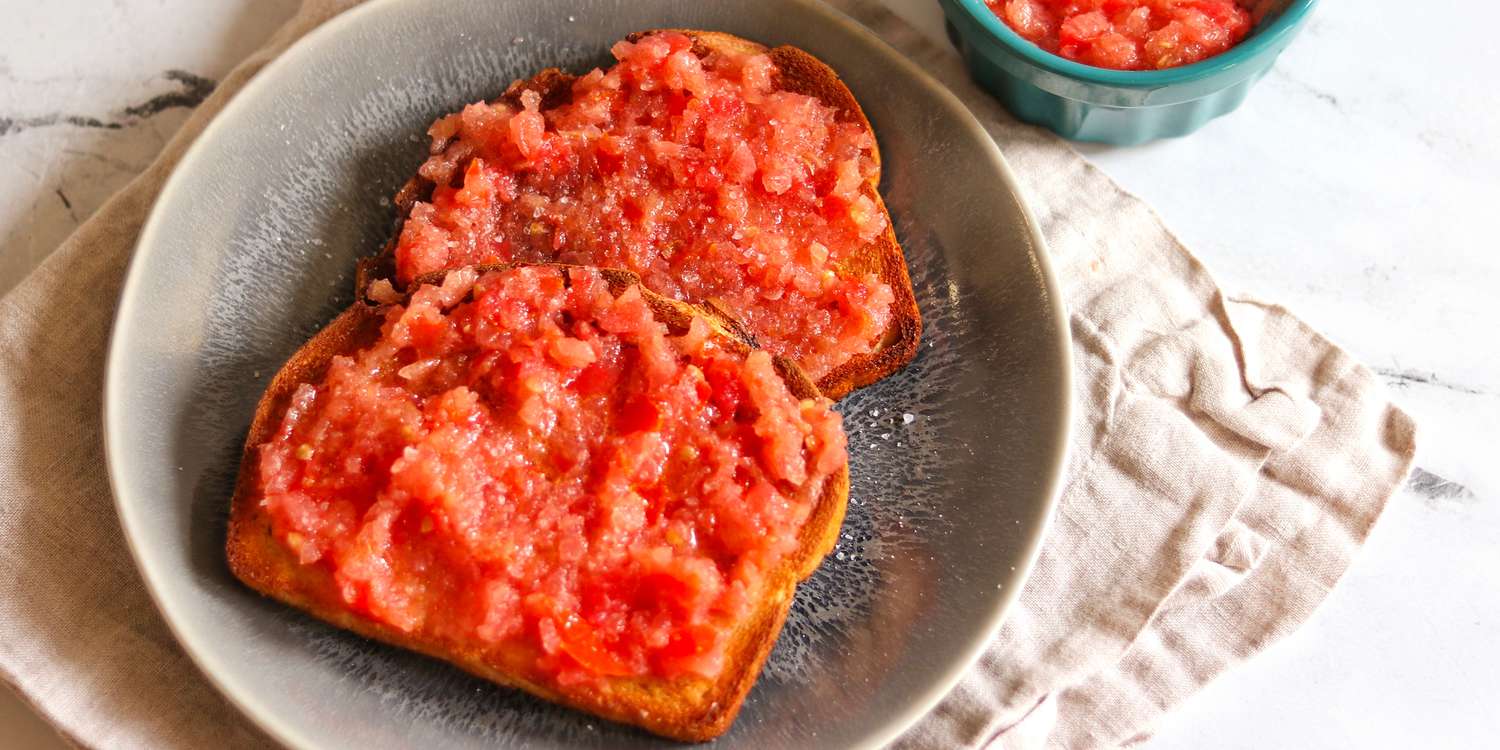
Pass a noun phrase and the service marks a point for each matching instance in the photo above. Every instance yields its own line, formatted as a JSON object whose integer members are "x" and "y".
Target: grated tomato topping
{"x": 525, "y": 463}
{"x": 696, "y": 173}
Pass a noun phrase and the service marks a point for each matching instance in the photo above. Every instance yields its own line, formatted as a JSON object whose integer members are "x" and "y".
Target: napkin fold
{"x": 1227, "y": 463}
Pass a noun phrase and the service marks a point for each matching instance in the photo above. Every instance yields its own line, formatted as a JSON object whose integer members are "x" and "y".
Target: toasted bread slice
{"x": 798, "y": 72}
{"x": 688, "y": 708}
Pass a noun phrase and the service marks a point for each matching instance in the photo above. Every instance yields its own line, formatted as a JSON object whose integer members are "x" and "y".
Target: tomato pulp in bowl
{"x": 1129, "y": 34}
{"x": 1091, "y": 103}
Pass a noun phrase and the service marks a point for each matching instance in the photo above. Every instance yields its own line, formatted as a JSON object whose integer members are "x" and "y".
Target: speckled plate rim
{"x": 305, "y": 51}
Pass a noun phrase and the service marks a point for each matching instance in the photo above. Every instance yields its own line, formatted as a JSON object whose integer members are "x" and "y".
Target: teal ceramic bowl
{"x": 1123, "y": 107}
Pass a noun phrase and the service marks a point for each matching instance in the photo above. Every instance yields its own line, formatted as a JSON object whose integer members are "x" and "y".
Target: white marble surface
{"x": 1358, "y": 187}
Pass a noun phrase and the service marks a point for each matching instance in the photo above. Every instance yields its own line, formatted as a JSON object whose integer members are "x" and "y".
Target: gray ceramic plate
{"x": 955, "y": 461}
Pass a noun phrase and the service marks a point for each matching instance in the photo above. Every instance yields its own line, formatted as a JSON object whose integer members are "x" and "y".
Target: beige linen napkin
{"x": 1227, "y": 463}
